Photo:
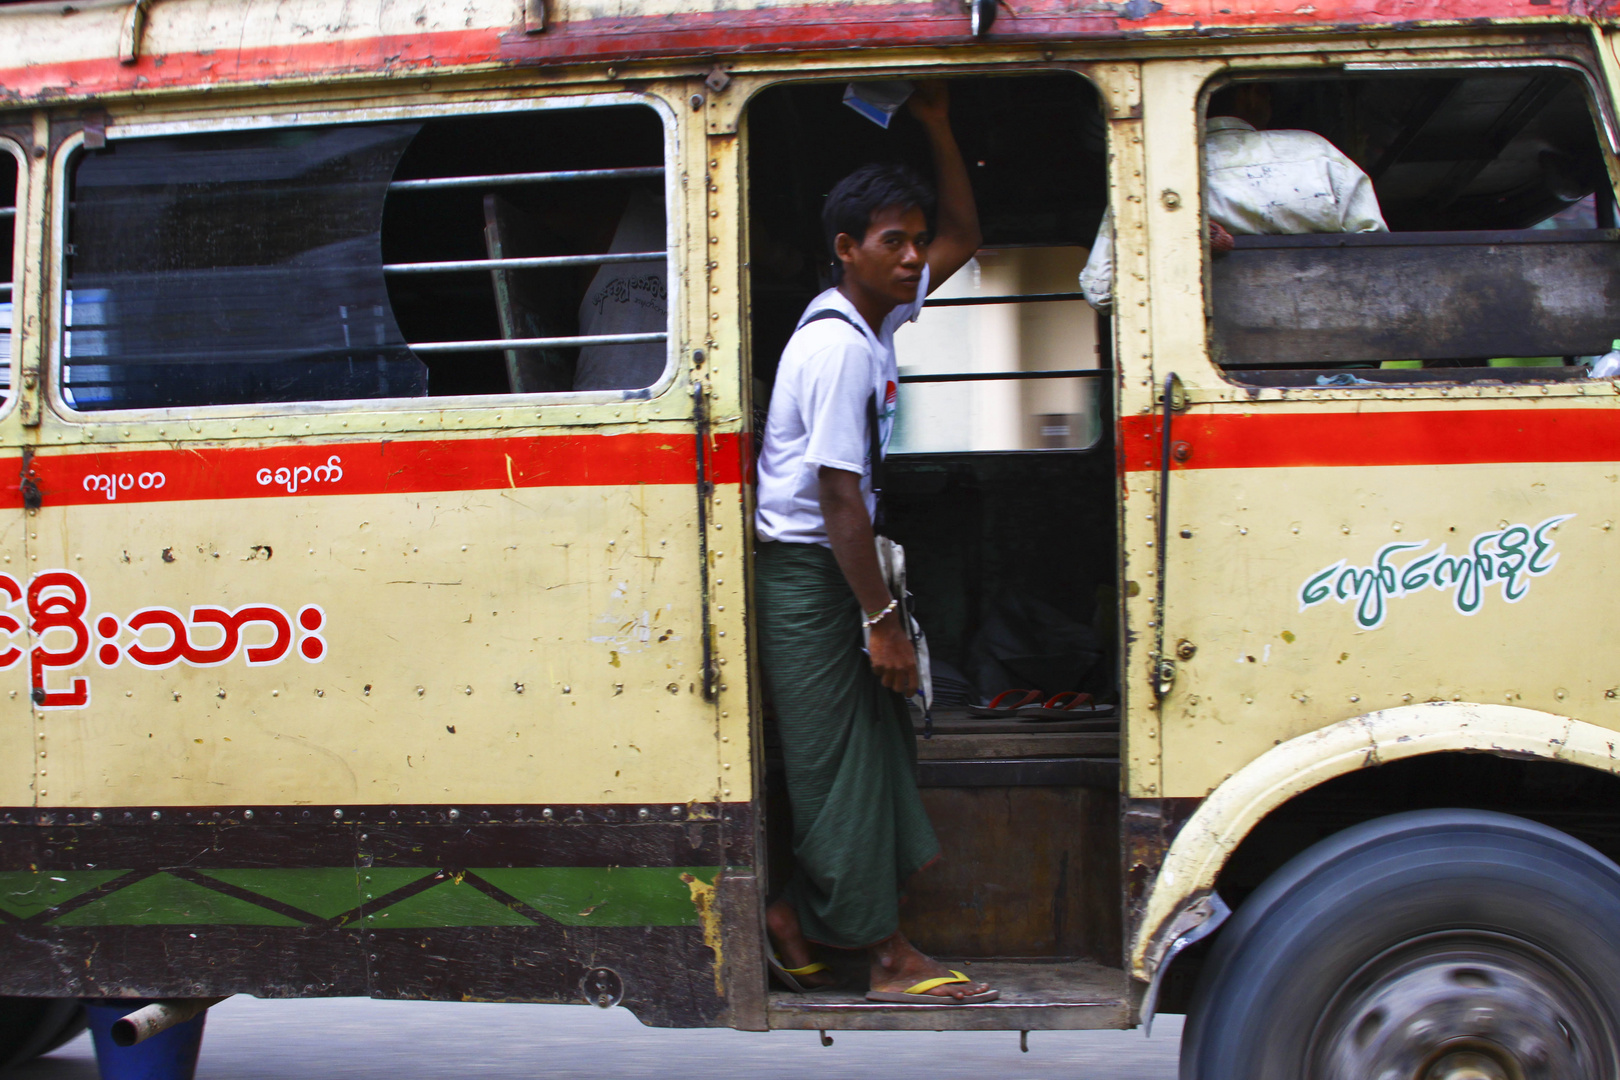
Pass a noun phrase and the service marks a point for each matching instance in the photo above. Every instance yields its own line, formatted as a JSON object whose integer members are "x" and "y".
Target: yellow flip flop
{"x": 790, "y": 976}
{"x": 919, "y": 995}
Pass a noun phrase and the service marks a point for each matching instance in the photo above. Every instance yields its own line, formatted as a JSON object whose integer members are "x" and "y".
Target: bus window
{"x": 10, "y": 188}
{"x": 1010, "y": 361}
{"x": 523, "y": 253}
{"x": 1462, "y": 229}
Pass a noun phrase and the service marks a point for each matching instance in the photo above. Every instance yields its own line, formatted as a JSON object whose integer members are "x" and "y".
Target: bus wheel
{"x": 30, "y": 1027}
{"x": 1436, "y": 945}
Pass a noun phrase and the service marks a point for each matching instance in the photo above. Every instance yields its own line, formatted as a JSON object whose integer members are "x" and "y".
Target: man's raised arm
{"x": 956, "y": 232}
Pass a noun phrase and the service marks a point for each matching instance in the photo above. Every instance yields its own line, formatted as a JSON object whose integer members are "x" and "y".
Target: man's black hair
{"x": 869, "y": 189}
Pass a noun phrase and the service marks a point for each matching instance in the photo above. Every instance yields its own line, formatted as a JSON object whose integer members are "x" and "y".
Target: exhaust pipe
{"x": 159, "y": 1016}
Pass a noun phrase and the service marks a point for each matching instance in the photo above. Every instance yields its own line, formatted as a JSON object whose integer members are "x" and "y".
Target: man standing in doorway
{"x": 859, "y": 827}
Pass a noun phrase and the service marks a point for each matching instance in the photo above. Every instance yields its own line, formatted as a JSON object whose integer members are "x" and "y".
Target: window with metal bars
{"x": 1501, "y": 258}
{"x": 519, "y": 253}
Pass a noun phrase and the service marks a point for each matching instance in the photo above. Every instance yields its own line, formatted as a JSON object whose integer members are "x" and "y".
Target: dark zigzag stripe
{"x": 89, "y": 896}
{"x": 506, "y": 899}
{"x": 236, "y": 892}
{"x": 387, "y": 900}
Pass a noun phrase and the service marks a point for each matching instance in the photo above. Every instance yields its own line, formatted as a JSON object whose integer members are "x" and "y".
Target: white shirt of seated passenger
{"x": 1262, "y": 183}
{"x": 627, "y": 298}
{"x": 818, "y": 414}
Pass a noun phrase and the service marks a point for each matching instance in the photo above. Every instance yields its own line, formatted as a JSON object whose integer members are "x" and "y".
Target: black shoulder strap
{"x": 874, "y": 433}
{"x": 831, "y": 313}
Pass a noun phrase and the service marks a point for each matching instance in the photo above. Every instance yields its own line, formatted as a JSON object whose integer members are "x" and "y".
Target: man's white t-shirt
{"x": 829, "y": 370}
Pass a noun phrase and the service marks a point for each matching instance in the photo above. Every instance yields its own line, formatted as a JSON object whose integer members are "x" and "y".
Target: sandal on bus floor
{"x": 1006, "y": 703}
{"x": 919, "y": 995}
{"x": 1069, "y": 705}
{"x": 790, "y": 976}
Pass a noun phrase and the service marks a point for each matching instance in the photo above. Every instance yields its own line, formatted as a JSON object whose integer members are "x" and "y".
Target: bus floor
{"x": 1036, "y": 995}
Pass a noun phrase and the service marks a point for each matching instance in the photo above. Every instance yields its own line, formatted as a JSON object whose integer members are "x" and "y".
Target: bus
{"x": 381, "y": 397}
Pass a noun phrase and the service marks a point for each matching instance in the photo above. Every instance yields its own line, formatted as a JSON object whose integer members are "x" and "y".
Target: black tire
{"x": 1434, "y": 943}
{"x": 30, "y": 1027}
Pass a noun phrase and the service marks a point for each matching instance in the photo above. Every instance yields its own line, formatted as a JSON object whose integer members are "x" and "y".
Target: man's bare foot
{"x": 897, "y": 966}
{"x": 782, "y": 922}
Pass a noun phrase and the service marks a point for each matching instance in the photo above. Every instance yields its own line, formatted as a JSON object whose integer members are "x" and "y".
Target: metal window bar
{"x": 535, "y": 263}
{"x": 500, "y": 344}
{"x": 987, "y": 376}
{"x": 8, "y": 211}
{"x": 440, "y": 183}
{"x": 1016, "y": 298}
{"x": 448, "y": 183}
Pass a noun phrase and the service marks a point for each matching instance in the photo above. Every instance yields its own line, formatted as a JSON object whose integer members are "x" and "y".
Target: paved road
{"x": 357, "y": 1039}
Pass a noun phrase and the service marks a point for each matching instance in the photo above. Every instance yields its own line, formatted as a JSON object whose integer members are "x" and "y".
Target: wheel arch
{"x": 1195, "y": 859}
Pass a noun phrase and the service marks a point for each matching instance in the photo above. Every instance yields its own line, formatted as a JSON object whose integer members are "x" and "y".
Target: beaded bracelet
{"x": 877, "y": 616}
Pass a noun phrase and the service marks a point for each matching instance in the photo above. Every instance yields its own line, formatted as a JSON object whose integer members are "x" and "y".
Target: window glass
{"x": 368, "y": 261}
{"x": 1446, "y": 227}
{"x": 986, "y": 372}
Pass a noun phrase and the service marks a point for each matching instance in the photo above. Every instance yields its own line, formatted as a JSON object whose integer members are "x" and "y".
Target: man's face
{"x": 889, "y": 262}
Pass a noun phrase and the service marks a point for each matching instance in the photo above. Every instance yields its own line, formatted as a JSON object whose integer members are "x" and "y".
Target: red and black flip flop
{"x": 1006, "y": 703}
{"x": 1069, "y": 705}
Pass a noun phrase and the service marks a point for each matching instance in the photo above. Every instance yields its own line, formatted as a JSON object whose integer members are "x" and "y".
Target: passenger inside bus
{"x": 1259, "y": 181}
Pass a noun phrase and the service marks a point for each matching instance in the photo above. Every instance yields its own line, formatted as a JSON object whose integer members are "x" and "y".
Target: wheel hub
{"x": 1462, "y": 1008}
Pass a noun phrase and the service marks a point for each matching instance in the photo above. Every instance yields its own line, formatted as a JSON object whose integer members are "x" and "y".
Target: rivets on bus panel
{"x": 95, "y": 815}
{"x": 643, "y": 814}
{"x": 338, "y": 814}
{"x": 157, "y": 815}
{"x": 248, "y": 814}
{"x": 420, "y": 691}
{"x": 546, "y": 813}
{"x": 517, "y": 686}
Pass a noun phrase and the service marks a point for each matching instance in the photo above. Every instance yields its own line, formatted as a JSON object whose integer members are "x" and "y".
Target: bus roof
{"x": 76, "y": 49}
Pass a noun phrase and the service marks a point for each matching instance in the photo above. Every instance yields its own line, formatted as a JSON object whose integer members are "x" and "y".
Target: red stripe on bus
{"x": 397, "y": 466}
{"x": 807, "y": 26}
{"x": 1338, "y": 440}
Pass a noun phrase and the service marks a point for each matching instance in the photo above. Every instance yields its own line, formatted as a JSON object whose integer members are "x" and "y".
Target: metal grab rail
{"x": 1015, "y": 298}
{"x": 437, "y": 183}
{"x": 501, "y": 344}
{"x": 986, "y": 376}
{"x": 534, "y": 263}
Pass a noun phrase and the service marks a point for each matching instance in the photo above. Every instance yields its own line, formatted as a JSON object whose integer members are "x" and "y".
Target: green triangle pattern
{"x": 605, "y": 895}
{"x": 165, "y": 900}
{"x": 379, "y": 881}
{"x": 454, "y": 903}
{"x": 323, "y": 891}
{"x": 25, "y": 893}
